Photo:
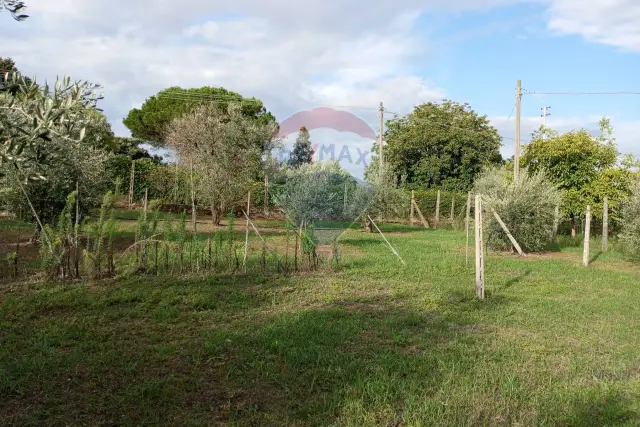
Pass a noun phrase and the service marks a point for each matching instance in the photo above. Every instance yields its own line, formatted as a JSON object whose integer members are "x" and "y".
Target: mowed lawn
{"x": 374, "y": 344}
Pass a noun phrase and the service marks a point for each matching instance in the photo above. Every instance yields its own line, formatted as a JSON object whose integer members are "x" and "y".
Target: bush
{"x": 527, "y": 208}
{"x": 630, "y": 236}
{"x": 315, "y": 192}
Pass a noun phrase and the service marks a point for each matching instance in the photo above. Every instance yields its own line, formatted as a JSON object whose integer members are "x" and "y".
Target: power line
{"x": 583, "y": 93}
{"x": 512, "y": 110}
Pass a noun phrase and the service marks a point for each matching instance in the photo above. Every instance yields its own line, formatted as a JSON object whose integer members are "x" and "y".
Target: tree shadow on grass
{"x": 596, "y": 257}
{"x": 311, "y": 365}
{"x": 515, "y": 280}
{"x": 608, "y": 410}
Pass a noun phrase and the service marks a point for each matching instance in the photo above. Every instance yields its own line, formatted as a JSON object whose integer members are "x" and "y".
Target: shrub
{"x": 630, "y": 236}
{"x": 526, "y": 206}
{"x": 315, "y": 192}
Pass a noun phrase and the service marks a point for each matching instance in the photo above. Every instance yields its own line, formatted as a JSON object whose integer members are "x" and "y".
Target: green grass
{"x": 554, "y": 344}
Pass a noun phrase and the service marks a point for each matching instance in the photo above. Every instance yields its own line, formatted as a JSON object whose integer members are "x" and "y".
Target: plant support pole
{"x": 508, "y": 233}
{"x": 466, "y": 226}
{"x": 387, "y": 242}
{"x": 246, "y": 236}
{"x": 587, "y": 237}
{"x": 479, "y": 250}
{"x": 605, "y": 225}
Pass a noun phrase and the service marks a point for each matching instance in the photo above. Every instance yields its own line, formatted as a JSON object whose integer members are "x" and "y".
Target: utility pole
{"x": 544, "y": 115}
{"x": 380, "y": 141}
{"x": 516, "y": 157}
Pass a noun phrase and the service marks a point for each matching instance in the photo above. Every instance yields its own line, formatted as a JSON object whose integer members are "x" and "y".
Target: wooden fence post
{"x": 413, "y": 200}
{"x": 556, "y": 222}
{"x": 145, "y": 235}
{"x": 605, "y": 225}
{"x": 76, "y": 243}
{"x": 194, "y": 212}
{"x": 438, "y": 209}
{"x": 466, "y": 226}
{"x": 479, "y": 250}
{"x": 453, "y": 208}
{"x": 246, "y": 236}
{"x": 131, "y": 182}
{"x": 587, "y": 237}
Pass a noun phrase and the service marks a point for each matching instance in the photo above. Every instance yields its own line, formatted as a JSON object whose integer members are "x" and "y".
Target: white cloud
{"x": 611, "y": 22}
{"x": 291, "y": 54}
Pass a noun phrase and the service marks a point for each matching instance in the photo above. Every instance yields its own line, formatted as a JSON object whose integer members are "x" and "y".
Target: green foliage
{"x": 151, "y": 121}
{"x": 57, "y": 244}
{"x": 97, "y": 232}
{"x": 33, "y": 116}
{"x": 630, "y": 236}
{"x": 302, "y": 150}
{"x": 221, "y": 149}
{"x": 427, "y": 200}
{"x": 381, "y": 199}
{"x": 50, "y": 139}
{"x": 526, "y": 207}
{"x": 440, "y": 146}
{"x": 315, "y": 191}
{"x": 574, "y": 162}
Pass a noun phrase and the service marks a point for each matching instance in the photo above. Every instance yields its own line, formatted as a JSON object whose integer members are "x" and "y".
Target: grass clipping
{"x": 526, "y": 206}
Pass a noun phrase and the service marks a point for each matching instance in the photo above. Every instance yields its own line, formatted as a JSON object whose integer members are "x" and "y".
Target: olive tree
{"x": 315, "y": 191}
{"x": 630, "y": 236}
{"x": 223, "y": 151}
{"x": 50, "y": 138}
{"x": 527, "y": 207}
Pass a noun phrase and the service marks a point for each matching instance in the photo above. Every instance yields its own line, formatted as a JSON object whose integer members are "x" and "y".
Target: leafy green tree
{"x": 15, "y": 8}
{"x": 302, "y": 150}
{"x": 151, "y": 121}
{"x": 223, "y": 147}
{"x": 315, "y": 191}
{"x": 526, "y": 206}
{"x": 574, "y": 162}
{"x": 6, "y": 66}
{"x": 442, "y": 145}
{"x": 49, "y": 139}
{"x": 630, "y": 236}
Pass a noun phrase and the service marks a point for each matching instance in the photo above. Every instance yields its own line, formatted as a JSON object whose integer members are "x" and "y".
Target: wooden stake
{"x": 605, "y": 225}
{"x": 16, "y": 260}
{"x": 131, "y": 182}
{"x": 479, "y": 250}
{"x": 466, "y": 226}
{"x": 76, "y": 245}
{"x": 144, "y": 237}
{"x": 438, "y": 210}
{"x": 266, "y": 194}
{"x": 246, "y": 236}
{"x": 387, "y": 242}
{"x": 344, "y": 209}
{"x": 453, "y": 208}
{"x": 194, "y": 213}
{"x": 556, "y": 222}
{"x": 587, "y": 237}
{"x": 424, "y": 221}
{"x": 413, "y": 201}
{"x": 509, "y": 235}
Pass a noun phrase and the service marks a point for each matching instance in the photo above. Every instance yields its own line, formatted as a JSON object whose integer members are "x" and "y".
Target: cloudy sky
{"x": 297, "y": 55}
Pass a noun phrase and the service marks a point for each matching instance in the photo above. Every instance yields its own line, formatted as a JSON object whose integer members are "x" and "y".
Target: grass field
{"x": 373, "y": 344}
